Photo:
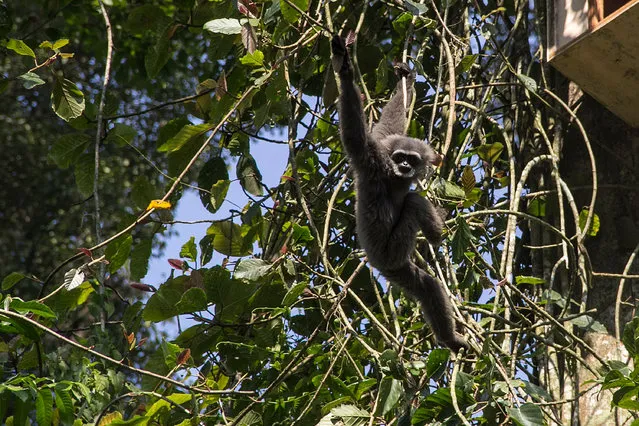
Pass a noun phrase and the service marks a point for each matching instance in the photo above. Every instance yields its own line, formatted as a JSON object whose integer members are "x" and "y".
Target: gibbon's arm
{"x": 393, "y": 119}
{"x": 352, "y": 123}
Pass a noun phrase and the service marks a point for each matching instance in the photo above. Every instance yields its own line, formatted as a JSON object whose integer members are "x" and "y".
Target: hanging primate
{"x": 386, "y": 163}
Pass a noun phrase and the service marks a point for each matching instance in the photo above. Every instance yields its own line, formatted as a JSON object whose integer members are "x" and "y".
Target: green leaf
{"x": 184, "y": 135}
{"x": 60, "y": 43}
{"x": 594, "y": 222}
{"x": 162, "y": 304}
{"x": 348, "y": 415}
{"x": 415, "y": 8}
{"x": 121, "y": 134}
{"x": 252, "y": 269}
{"x": 31, "y": 307}
{"x": 147, "y": 17}
{"x": 192, "y": 300}
{"x": 158, "y": 55}
{"x": 390, "y": 392}
{"x": 255, "y": 59}
{"x": 588, "y": 323}
{"x": 140, "y": 259}
{"x": 527, "y": 415}
{"x": 249, "y": 176}
{"x": 626, "y": 397}
{"x": 468, "y": 179}
{"x": 213, "y": 177}
{"x": 44, "y": 407}
{"x": 189, "y": 250}
{"x": 462, "y": 239}
{"x": 64, "y": 403}
{"x": 66, "y": 99}
{"x": 529, "y": 83}
{"x": 20, "y": 47}
{"x": 630, "y": 336}
{"x": 12, "y": 279}
{"x": 224, "y": 26}
{"x": 143, "y": 192}
{"x": 490, "y": 152}
{"x": 436, "y": 363}
{"x": 467, "y": 63}
{"x": 117, "y": 252}
{"x": 448, "y": 190}
{"x": 84, "y": 172}
{"x": 523, "y": 279}
{"x": 228, "y": 239}
{"x": 31, "y": 80}
{"x": 295, "y": 292}
{"x": 290, "y": 13}
{"x": 537, "y": 207}
{"x": 68, "y": 148}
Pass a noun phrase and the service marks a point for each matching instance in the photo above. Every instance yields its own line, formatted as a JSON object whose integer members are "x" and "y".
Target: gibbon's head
{"x": 409, "y": 157}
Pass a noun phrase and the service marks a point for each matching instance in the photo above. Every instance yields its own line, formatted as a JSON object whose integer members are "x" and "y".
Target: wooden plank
{"x": 605, "y": 62}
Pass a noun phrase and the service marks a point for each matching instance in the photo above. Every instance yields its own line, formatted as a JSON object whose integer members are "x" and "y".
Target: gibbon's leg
{"x": 426, "y": 289}
{"x": 393, "y": 119}
{"x": 428, "y": 217}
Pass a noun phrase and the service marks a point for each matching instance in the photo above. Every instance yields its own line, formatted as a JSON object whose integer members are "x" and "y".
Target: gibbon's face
{"x": 408, "y": 156}
{"x": 406, "y": 164}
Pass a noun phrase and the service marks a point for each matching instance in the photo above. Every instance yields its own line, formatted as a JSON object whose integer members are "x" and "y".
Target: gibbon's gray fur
{"x": 386, "y": 163}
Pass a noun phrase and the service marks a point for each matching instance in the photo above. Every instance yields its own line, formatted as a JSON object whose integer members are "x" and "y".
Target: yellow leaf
{"x": 159, "y": 204}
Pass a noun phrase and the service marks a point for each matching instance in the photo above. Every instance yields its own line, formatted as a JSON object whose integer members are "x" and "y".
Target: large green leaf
{"x": 228, "y": 239}
{"x": 183, "y": 136}
{"x": 224, "y": 26}
{"x": 68, "y": 148}
{"x": 249, "y": 175}
{"x": 214, "y": 177}
{"x": 66, "y": 99}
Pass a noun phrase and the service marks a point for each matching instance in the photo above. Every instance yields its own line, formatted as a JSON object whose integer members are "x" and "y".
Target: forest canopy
{"x": 114, "y": 112}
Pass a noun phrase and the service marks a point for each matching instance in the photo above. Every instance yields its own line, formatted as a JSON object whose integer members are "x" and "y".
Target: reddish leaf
{"x": 221, "y": 88}
{"x": 130, "y": 338}
{"x": 142, "y": 341}
{"x": 184, "y": 356}
{"x": 86, "y": 252}
{"x": 143, "y": 287}
{"x": 248, "y": 8}
{"x": 177, "y": 264}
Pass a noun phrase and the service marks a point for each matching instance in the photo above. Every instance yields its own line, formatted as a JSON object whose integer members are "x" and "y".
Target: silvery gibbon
{"x": 386, "y": 163}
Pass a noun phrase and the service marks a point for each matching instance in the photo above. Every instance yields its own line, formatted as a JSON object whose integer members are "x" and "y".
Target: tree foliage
{"x": 286, "y": 322}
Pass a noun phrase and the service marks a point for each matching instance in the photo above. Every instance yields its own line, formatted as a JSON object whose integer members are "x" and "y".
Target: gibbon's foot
{"x": 456, "y": 342}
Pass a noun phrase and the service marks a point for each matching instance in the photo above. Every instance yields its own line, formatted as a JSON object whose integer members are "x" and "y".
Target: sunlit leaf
{"x": 11, "y": 280}
{"x": 527, "y": 415}
{"x": 490, "y": 152}
{"x": 224, "y": 26}
{"x": 252, "y": 269}
{"x": 66, "y": 99}
{"x": 290, "y": 13}
{"x": 44, "y": 407}
{"x": 20, "y": 47}
{"x": 255, "y": 59}
{"x": 31, "y": 80}
{"x": 183, "y": 136}
{"x": 31, "y": 306}
{"x": 595, "y": 224}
